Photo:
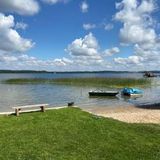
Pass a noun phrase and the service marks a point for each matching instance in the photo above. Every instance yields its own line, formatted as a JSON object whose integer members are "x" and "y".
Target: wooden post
{"x": 42, "y": 108}
{"x": 70, "y": 104}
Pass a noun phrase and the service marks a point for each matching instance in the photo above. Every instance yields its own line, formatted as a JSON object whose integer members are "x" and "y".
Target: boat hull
{"x": 132, "y": 94}
{"x": 94, "y": 93}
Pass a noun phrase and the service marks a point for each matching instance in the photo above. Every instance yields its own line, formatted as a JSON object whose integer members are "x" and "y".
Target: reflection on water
{"x": 59, "y": 95}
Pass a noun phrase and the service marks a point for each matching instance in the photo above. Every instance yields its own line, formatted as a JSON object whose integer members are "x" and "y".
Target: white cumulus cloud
{"x": 136, "y": 60}
{"x": 88, "y": 26}
{"x": 10, "y": 40}
{"x": 21, "y": 25}
{"x": 55, "y": 1}
{"x": 84, "y": 7}
{"x": 108, "y": 26}
{"x": 136, "y": 19}
{"x": 22, "y": 7}
{"x": 139, "y": 31}
{"x": 85, "y": 51}
{"x": 23, "y": 61}
{"x": 87, "y": 46}
{"x": 112, "y": 51}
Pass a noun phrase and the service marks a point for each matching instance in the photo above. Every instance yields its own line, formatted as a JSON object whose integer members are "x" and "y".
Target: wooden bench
{"x": 19, "y": 108}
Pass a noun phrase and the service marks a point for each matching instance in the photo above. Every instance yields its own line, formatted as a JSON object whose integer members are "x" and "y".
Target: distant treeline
{"x": 43, "y": 71}
{"x": 21, "y": 71}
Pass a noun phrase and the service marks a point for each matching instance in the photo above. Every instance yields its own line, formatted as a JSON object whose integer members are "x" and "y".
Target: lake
{"x": 59, "y": 95}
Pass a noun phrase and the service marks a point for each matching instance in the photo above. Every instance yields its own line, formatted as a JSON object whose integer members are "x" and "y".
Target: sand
{"x": 129, "y": 114}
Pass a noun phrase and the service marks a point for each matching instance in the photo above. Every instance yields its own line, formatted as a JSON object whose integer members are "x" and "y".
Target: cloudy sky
{"x": 80, "y": 35}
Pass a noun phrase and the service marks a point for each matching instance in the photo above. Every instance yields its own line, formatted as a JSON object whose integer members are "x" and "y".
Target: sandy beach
{"x": 129, "y": 114}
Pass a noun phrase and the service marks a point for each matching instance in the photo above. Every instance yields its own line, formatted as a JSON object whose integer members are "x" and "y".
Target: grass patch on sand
{"x": 71, "y": 134}
{"x": 97, "y": 82}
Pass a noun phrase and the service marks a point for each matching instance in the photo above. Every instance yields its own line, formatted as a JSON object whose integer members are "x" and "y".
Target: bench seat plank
{"x": 30, "y": 106}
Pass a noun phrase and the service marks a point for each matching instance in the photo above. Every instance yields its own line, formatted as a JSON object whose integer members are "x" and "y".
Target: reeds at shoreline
{"x": 97, "y": 82}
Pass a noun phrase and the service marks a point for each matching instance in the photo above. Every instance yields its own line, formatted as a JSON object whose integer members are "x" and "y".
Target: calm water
{"x": 59, "y": 95}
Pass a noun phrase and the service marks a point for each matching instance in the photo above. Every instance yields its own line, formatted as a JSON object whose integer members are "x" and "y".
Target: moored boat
{"x": 149, "y": 74}
{"x": 103, "y": 93}
{"x": 132, "y": 92}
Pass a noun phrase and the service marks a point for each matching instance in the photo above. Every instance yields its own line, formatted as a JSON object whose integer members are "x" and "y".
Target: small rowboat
{"x": 103, "y": 93}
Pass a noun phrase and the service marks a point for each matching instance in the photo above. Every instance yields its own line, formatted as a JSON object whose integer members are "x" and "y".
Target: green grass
{"x": 98, "y": 82}
{"x": 71, "y": 134}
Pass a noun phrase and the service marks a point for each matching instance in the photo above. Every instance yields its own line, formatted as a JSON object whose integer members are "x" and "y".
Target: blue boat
{"x": 132, "y": 92}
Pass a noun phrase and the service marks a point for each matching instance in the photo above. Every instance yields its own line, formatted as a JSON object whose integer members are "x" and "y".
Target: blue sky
{"x": 73, "y": 35}
{"x": 55, "y": 26}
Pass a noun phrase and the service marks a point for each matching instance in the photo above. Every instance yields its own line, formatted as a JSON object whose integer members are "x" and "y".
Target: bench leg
{"x": 42, "y": 109}
{"x": 17, "y": 112}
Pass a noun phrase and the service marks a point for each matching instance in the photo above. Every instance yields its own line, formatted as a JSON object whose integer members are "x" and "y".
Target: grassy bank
{"x": 100, "y": 82}
{"x": 70, "y": 134}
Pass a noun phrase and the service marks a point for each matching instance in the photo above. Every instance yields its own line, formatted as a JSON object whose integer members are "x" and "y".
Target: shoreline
{"x": 129, "y": 114}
